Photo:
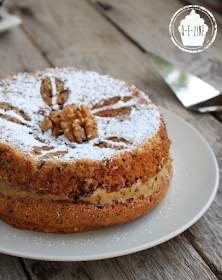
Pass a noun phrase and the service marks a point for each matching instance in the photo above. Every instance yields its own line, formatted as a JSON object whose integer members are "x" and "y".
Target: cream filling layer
{"x": 145, "y": 189}
{"x": 99, "y": 196}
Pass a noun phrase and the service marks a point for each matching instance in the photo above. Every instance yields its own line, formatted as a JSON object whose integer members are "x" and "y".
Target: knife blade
{"x": 193, "y": 93}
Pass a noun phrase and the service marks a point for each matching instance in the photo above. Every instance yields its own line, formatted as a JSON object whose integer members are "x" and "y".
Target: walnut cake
{"x": 79, "y": 151}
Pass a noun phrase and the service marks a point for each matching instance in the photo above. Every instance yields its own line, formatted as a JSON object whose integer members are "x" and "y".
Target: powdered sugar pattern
{"x": 23, "y": 92}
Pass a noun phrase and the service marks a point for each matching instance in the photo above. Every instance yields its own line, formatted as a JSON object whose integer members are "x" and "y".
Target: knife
{"x": 193, "y": 93}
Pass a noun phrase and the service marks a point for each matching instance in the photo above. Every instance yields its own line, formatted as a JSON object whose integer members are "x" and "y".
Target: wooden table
{"x": 112, "y": 38}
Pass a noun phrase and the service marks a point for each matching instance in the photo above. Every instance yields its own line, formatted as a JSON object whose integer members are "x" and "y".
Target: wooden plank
{"x": 172, "y": 260}
{"x": 73, "y": 33}
{"x": 147, "y": 23}
{"x": 18, "y": 54}
{"x": 11, "y": 268}
{"x": 205, "y": 243}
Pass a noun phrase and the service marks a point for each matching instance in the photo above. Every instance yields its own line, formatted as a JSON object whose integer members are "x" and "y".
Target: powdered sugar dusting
{"x": 23, "y": 92}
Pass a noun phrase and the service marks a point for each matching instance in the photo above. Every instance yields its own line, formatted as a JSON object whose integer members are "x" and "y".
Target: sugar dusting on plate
{"x": 23, "y": 92}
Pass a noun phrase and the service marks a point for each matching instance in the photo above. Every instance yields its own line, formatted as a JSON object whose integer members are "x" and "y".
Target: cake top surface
{"x": 132, "y": 118}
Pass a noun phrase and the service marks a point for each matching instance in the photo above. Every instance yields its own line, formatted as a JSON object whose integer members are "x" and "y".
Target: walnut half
{"x": 71, "y": 120}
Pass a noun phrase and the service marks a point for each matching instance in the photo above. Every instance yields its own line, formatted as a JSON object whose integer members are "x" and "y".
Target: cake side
{"x": 67, "y": 217}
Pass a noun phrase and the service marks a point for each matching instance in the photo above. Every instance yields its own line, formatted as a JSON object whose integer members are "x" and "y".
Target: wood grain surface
{"x": 19, "y": 54}
{"x": 113, "y": 41}
{"x": 148, "y": 26}
{"x": 176, "y": 259}
{"x": 11, "y": 268}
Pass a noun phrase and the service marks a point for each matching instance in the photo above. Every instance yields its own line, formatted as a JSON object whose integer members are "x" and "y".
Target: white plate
{"x": 193, "y": 189}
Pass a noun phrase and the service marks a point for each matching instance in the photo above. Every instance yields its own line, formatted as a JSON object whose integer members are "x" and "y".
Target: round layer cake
{"x": 53, "y": 184}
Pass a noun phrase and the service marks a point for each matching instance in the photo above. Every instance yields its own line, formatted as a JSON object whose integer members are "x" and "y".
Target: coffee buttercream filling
{"x": 100, "y": 196}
